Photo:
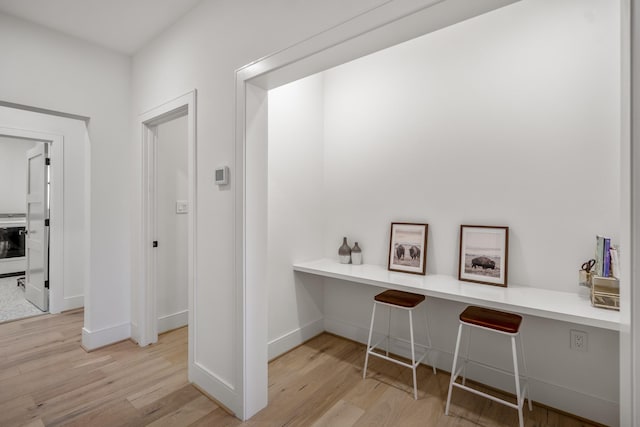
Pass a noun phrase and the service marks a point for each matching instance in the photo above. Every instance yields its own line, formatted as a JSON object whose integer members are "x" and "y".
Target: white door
{"x": 37, "y": 230}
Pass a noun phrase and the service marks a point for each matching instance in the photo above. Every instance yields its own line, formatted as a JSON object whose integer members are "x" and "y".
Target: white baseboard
{"x": 71, "y": 303}
{"x": 553, "y": 395}
{"x": 213, "y": 385}
{"x": 134, "y": 333}
{"x": 173, "y": 321}
{"x": 294, "y": 338}
{"x": 92, "y": 340}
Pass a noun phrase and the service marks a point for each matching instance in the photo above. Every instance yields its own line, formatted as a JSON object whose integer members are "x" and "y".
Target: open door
{"x": 37, "y": 228}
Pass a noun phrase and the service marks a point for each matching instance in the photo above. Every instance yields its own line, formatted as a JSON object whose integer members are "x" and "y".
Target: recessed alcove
{"x": 509, "y": 118}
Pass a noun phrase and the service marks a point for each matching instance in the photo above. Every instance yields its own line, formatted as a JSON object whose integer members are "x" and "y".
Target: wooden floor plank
{"x": 342, "y": 414}
{"x": 117, "y": 413}
{"x": 46, "y": 379}
{"x": 35, "y": 423}
{"x": 188, "y": 414}
{"x": 169, "y": 404}
{"x": 159, "y": 389}
{"x": 220, "y": 418}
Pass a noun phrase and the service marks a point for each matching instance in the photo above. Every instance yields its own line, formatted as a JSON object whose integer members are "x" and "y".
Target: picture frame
{"x": 484, "y": 253}
{"x": 408, "y": 247}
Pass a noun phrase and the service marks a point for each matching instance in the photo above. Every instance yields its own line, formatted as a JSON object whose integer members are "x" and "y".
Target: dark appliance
{"x": 12, "y": 242}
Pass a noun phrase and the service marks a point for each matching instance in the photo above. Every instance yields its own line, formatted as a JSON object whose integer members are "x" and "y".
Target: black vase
{"x": 344, "y": 252}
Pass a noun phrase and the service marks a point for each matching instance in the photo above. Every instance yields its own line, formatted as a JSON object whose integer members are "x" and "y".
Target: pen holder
{"x": 585, "y": 278}
{"x": 605, "y": 292}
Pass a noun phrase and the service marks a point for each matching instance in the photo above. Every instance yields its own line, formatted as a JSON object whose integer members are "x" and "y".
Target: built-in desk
{"x": 564, "y": 306}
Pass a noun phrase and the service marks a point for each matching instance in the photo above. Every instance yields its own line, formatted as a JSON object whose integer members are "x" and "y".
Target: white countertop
{"x": 564, "y": 306}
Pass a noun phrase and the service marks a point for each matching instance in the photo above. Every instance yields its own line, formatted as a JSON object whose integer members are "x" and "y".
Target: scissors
{"x": 587, "y": 266}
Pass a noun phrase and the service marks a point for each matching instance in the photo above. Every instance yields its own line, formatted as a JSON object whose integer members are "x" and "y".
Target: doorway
{"x": 164, "y": 298}
{"x": 170, "y": 210}
{"x": 69, "y": 197}
{"x": 26, "y": 210}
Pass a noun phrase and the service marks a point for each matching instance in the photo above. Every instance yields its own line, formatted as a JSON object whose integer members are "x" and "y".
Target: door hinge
{"x": 46, "y": 222}
{"x": 47, "y": 161}
{"x": 155, "y": 243}
{"x": 46, "y": 284}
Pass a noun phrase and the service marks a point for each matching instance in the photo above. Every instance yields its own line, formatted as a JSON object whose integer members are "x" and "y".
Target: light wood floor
{"x": 46, "y": 379}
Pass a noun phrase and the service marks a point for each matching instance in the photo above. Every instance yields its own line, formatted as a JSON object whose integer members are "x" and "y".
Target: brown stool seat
{"x": 492, "y": 319}
{"x": 400, "y": 298}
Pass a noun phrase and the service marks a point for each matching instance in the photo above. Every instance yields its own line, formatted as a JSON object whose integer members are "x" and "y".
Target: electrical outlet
{"x": 579, "y": 340}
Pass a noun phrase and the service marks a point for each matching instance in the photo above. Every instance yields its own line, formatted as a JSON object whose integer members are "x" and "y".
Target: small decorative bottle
{"x": 344, "y": 253}
{"x": 356, "y": 255}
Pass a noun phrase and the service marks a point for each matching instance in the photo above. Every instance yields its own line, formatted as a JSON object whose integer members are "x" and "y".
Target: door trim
{"x": 145, "y": 332}
{"x": 56, "y": 211}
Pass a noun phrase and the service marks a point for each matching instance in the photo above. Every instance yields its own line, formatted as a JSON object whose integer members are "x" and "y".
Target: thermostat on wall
{"x": 222, "y": 176}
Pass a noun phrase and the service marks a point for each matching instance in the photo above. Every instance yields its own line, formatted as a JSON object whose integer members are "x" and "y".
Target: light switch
{"x": 222, "y": 175}
{"x": 182, "y": 207}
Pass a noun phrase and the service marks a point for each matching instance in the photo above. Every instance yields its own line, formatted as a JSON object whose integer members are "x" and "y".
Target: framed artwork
{"x": 483, "y": 254}
{"x": 408, "y": 247}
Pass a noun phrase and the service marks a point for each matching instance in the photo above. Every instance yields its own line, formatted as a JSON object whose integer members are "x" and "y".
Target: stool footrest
{"x": 404, "y": 341}
{"x": 491, "y": 368}
{"x": 490, "y": 397}
{"x": 396, "y": 361}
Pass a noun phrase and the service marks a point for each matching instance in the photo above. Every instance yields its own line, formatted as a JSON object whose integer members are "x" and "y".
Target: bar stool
{"x": 494, "y": 321}
{"x": 404, "y": 301}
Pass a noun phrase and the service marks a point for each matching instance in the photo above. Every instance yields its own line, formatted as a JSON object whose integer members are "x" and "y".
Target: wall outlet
{"x": 579, "y": 340}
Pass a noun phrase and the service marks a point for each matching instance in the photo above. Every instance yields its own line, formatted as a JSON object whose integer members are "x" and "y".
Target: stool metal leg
{"x": 465, "y": 361}
{"x": 389, "y": 332}
{"x": 413, "y": 357}
{"x": 453, "y": 370}
{"x": 517, "y": 378}
{"x": 525, "y": 372}
{"x": 366, "y": 358}
{"x": 426, "y": 318}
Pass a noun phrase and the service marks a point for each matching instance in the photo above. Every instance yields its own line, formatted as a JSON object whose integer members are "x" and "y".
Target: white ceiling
{"x": 122, "y": 25}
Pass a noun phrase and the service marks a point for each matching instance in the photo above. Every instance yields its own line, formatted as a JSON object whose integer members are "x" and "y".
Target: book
{"x": 597, "y": 269}
{"x": 606, "y": 259}
{"x": 615, "y": 262}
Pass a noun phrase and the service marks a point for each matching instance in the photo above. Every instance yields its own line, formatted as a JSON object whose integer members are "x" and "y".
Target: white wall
{"x": 503, "y": 120}
{"x": 13, "y": 174}
{"x": 46, "y": 69}
{"x": 296, "y": 211}
{"x": 171, "y": 185}
{"x": 202, "y": 51}
{"x": 75, "y": 201}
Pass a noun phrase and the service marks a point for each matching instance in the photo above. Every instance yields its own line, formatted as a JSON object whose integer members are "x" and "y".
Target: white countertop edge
{"x": 563, "y": 306}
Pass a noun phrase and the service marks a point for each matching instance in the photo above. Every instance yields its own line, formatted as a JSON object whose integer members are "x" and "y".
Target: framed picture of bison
{"x": 408, "y": 247}
{"x": 483, "y": 254}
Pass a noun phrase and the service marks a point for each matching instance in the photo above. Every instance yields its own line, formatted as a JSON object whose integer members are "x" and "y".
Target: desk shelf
{"x": 556, "y": 305}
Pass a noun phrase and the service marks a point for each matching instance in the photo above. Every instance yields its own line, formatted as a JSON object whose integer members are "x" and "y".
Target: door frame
{"x": 56, "y": 210}
{"x": 145, "y": 311}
